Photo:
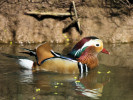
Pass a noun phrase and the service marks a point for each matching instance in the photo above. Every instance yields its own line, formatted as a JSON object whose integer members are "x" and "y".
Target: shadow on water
{"x": 112, "y": 80}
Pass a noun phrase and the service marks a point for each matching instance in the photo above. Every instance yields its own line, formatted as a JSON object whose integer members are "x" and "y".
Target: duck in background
{"x": 82, "y": 58}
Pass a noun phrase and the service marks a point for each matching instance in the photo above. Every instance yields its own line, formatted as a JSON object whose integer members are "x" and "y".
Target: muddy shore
{"x": 18, "y": 27}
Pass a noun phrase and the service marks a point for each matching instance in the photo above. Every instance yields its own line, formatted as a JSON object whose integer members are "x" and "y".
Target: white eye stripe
{"x": 91, "y": 43}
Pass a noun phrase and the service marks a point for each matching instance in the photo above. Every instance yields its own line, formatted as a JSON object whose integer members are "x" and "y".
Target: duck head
{"x": 87, "y": 49}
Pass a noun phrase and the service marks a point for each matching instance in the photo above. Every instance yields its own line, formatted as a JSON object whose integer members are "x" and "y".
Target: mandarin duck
{"x": 82, "y": 58}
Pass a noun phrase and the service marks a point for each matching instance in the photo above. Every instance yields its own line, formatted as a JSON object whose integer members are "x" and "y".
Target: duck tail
{"x": 25, "y": 63}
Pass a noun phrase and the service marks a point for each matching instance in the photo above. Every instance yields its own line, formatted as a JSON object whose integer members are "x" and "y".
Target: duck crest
{"x": 83, "y": 41}
{"x": 80, "y": 47}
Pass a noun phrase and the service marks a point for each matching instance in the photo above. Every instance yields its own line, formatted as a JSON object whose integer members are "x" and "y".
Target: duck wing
{"x": 43, "y": 52}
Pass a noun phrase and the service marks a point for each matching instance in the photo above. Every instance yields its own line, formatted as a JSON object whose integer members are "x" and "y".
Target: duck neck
{"x": 89, "y": 57}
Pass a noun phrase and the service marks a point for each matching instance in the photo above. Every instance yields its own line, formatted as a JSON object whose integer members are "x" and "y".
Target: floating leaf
{"x": 11, "y": 43}
{"x": 77, "y": 81}
{"x": 75, "y": 77}
{"x": 38, "y": 90}
{"x": 108, "y": 72}
{"x": 57, "y": 83}
{"x": 55, "y": 93}
{"x": 99, "y": 72}
{"x": 67, "y": 40}
{"x": 56, "y": 86}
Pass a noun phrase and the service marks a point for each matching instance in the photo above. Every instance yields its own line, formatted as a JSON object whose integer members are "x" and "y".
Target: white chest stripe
{"x": 86, "y": 68}
{"x": 81, "y": 67}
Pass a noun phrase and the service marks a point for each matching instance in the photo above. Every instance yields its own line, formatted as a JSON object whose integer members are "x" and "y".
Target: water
{"x": 112, "y": 80}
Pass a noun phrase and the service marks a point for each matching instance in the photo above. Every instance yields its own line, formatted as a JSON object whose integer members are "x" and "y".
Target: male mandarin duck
{"x": 82, "y": 58}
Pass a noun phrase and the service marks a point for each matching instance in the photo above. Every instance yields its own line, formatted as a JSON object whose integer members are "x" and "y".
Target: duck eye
{"x": 97, "y": 45}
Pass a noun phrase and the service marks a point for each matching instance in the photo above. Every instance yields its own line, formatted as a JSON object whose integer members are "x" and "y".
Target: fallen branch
{"x": 69, "y": 25}
{"x": 56, "y": 14}
{"x": 76, "y": 16}
{"x": 75, "y": 11}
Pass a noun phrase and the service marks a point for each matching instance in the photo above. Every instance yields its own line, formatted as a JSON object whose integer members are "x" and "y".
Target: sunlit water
{"x": 112, "y": 80}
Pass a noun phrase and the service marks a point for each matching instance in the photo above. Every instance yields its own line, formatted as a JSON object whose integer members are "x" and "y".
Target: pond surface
{"x": 112, "y": 80}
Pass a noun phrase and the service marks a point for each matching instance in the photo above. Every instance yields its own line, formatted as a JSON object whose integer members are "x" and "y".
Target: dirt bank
{"x": 95, "y": 20}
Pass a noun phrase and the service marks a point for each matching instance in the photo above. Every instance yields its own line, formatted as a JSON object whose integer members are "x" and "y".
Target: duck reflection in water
{"x": 61, "y": 84}
{"x": 89, "y": 85}
{"x": 26, "y": 76}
